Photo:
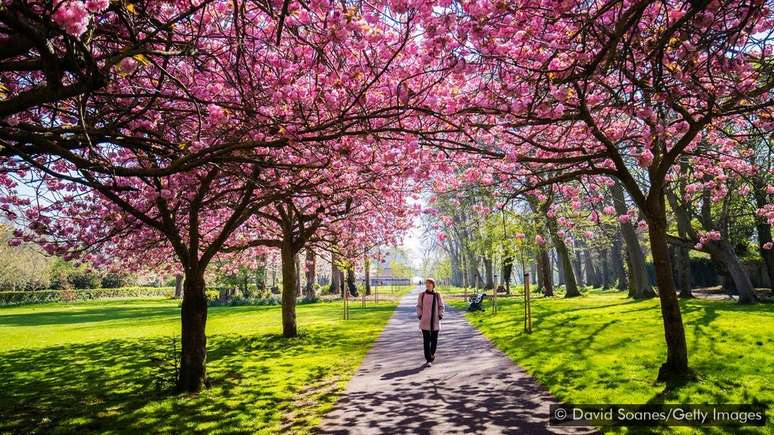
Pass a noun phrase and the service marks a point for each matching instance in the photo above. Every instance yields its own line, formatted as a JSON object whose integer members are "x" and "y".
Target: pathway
{"x": 471, "y": 388}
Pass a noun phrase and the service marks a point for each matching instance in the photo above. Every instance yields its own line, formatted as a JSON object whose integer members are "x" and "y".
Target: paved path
{"x": 471, "y": 388}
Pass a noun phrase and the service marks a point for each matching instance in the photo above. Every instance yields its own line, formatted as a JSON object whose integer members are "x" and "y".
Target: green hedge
{"x": 41, "y": 296}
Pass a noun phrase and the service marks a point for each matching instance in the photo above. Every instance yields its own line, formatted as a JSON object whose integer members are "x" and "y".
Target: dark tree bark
{"x": 681, "y": 254}
{"x": 559, "y": 269}
{"x": 472, "y": 264}
{"x": 367, "y": 270}
{"x": 193, "y": 357}
{"x": 763, "y": 229}
{"x": 605, "y": 270}
{"x": 297, "y": 261}
{"x": 566, "y": 275}
{"x": 764, "y": 236}
{"x": 722, "y": 252}
{"x": 289, "y": 277}
{"x": 335, "y": 276}
{"x": 507, "y": 272}
{"x": 676, "y": 365}
{"x": 619, "y": 269}
{"x": 682, "y": 270}
{"x": 591, "y": 272}
{"x": 261, "y": 273}
{"x": 489, "y": 272}
{"x": 639, "y": 286}
{"x": 578, "y": 266}
{"x": 178, "y": 286}
{"x": 351, "y": 286}
{"x": 570, "y": 285}
{"x": 456, "y": 268}
{"x": 311, "y": 273}
{"x": 545, "y": 271}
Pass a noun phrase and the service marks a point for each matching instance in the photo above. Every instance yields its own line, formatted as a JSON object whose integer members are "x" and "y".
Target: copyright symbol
{"x": 560, "y": 413}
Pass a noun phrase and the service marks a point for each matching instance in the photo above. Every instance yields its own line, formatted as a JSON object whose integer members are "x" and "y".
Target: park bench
{"x": 476, "y": 302}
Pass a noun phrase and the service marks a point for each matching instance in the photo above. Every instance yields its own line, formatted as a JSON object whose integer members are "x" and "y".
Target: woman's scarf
{"x": 433, "y": 311}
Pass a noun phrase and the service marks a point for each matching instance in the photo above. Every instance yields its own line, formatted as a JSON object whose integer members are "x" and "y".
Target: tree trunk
{"x": 193, "y": 314}
{"x": 297, "y": 261}
{"x": 591, "y": 273}
{"x": 722, "y": 252}
{"x": 488, "y": 270}
{"x": 570, "y": 285}
{"x": 335, "y": 276}
{"x": 639, "y": 286}
{"x": 472, "y": 269}
{"x": 367, "y": 272}
{"x": 311, "y": 273}
{"x": 178, "y": 286}
{"x": 559, "y": 269}
{"x": 261, "y": 273}
{"x": 681, "y": 254}
{"x": 578, "y": 266}
{"x": 456, "y": 269}
{"x": 507, "y": 272}
{"x": 351, "y": 286}
{"x": 618, "y": 263}
{"x": 289, "y": 278}
{"x": 764, "y": 236}
{"x": 605, "y": 259}
{"x": 682, "y": 270}
{"x": 676, "y": 365}
{"x": 546, "y": 271}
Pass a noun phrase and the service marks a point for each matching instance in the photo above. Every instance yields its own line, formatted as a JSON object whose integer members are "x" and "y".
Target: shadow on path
{"x": 471, "y": 387}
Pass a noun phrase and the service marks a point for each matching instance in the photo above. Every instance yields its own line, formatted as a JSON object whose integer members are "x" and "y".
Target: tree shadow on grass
{"x": 88, "y": 315}
{"x": 108, "y": 385}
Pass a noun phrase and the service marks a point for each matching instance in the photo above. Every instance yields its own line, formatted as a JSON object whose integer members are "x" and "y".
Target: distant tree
{"x": 22, "y": 267}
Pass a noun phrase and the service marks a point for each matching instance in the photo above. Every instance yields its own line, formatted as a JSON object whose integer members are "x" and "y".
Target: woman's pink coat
{"x": 424, "y": 309}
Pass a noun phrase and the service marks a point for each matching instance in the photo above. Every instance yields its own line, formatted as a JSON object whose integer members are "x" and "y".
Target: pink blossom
{"x": 97, "y": 5}
{"x": 645, "y": 159}
{"x": 73, "y": 16}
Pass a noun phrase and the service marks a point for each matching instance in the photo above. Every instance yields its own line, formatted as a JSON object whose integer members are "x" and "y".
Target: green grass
{"x": 605, "y": 348}
{"x": 88, "y": 367}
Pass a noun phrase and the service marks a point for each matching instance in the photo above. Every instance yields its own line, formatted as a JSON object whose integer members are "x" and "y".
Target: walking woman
{"x": 430, "y": 311}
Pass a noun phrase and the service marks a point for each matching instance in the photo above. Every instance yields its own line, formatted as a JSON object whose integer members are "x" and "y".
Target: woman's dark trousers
{"x": 430, "y": 339}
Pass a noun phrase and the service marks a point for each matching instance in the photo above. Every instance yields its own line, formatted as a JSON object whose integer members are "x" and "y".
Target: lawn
{"x": 101, "y": 366}
{"x": 605, "y": 348}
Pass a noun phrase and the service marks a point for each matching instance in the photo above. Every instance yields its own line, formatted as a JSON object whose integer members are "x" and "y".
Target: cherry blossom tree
{"x": 356, "y": 201}
{"x": 196, "y": 126}
{"x": 613, "y": 89}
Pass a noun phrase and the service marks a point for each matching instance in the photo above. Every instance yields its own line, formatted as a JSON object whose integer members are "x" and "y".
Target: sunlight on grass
{"x": 605, "y": 348}
{"x": 88, "y": 366}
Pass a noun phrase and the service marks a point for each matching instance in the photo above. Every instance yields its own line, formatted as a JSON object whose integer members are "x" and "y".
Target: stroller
{"x": 476, "y": 302}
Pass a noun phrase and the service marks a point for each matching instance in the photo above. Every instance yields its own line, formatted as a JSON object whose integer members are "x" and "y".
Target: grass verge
{"x": 605, "y": 348}
{"x": 100, "y": 367}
